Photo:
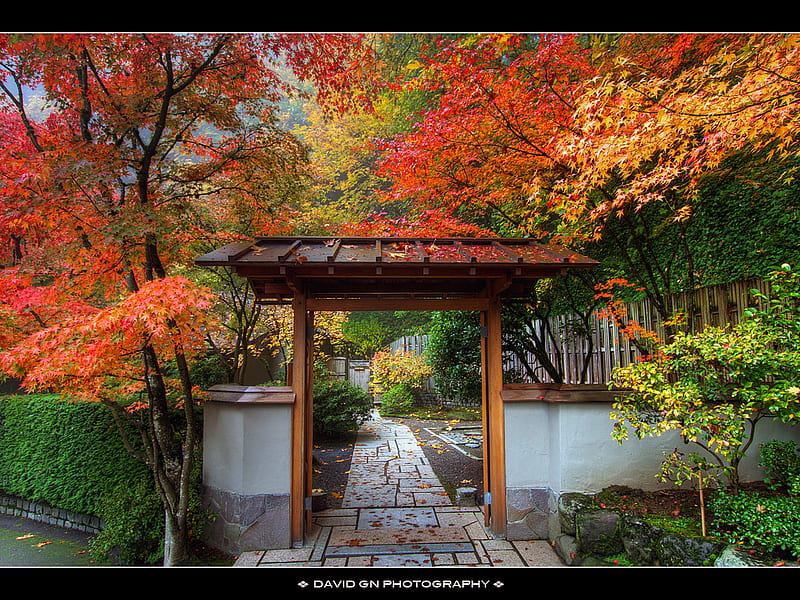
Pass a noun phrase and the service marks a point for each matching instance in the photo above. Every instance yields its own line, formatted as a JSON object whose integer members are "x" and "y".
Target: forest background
{"x": 670, "y": 158}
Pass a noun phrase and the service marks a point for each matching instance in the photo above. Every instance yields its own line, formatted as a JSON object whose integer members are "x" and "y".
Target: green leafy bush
{"x": 339, "y": 407}
{"x": 454, "y": 353}
{"x": 398, "y": 399}
{"x": 134, "y": 528}
{"x": 714, "y": 386}
{"x": 769, "y": 521}
{"x": 781, "y": 461}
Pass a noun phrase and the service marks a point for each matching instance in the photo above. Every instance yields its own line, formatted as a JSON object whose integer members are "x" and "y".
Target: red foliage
{"x": 431, "y": 223}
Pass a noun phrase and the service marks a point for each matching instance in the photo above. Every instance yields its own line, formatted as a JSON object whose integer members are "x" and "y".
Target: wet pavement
{"x": 26, "y": 543}
{"x": 396, "y": 513}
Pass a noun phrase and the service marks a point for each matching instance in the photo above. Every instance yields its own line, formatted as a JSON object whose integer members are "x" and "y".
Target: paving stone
{"x": 477, "y": 531}
{"x": 359, "y": 561}
{"x": 410, "y": 548}
{"x": 467, "y": 558}
{"x": 495, "y": 544}
{"x": 439, "y": 559}
{"x": 397, "y": 518}
{"x": 287, "y": 555}
{"x": 403, "y": 560}
{"x": 360, "y": 537}
{"x": 449, "y": 519}
{"x": 431, "y": 498}
{"x": 405, "y": 499}
{"x": 282, "y": 565}
{"x": 538, "y": 553}
{"x": 249, "y": 559}
{"x": 330, "y": 521}
{"x": 506, "y": 558}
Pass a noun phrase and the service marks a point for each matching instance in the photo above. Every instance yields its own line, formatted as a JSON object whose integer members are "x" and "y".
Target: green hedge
{"x": 67, "y": 454}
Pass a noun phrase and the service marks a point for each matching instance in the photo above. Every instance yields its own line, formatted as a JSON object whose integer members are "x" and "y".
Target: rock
{"x": 568, "y": 506}
{"x": 734, "y": 557}
{"x": 567, "y": 548}
{"x": 684, "y": 551}
{"x": 598, "y": 531}
{"x": 466, "y": 496}
{"x": 640, "y": 538}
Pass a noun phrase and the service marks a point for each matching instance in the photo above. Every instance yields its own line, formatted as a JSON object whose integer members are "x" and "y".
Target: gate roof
{"x": 379, "y": 267}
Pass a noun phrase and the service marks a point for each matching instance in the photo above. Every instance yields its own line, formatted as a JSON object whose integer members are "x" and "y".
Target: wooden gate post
{"x": 302, "y": 423}
{"x": 493, "y": 415}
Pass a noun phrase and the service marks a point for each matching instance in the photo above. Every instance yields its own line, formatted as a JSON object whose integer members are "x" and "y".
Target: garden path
{"x": 396, "y": 513}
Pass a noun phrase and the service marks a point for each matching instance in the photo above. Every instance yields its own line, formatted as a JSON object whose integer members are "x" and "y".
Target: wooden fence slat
{"x": 715, "y": 305}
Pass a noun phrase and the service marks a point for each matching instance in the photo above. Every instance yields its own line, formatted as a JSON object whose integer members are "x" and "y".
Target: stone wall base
{"x": 52, "y": 515}
{"x": 246, "y": 523}
{"x": 531, "y": 514}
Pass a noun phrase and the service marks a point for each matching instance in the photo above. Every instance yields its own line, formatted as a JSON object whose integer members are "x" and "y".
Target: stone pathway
{"x": 395, "y": 513}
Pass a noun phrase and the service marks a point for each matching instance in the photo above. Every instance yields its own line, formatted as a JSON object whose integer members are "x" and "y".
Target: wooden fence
{"x": 710, "y": 306}
{"x": 415, "y": 344}
{"x": 603, "y": 344}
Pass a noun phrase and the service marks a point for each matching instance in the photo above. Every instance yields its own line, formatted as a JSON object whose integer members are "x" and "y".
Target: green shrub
{"x": 398, "y": 399}
{"x": 134, "y": 522}
{"x": 66, "y": 454}
{"x": 781, "y": 461}
{"x": 70, "y": 455}
{"x": 134, "y": 531}
{"x": 454, "y": 353}
{"x": 752, "y": 518}
{"x": 339, "y": 407}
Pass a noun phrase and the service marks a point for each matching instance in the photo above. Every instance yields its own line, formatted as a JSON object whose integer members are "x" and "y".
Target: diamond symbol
{"x": 498, "y": 584}
{"x": 303, "y": 584}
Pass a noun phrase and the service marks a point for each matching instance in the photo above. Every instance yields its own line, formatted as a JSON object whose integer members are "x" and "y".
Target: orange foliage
{"x": 430, "y": 223}
{"x": 89, "y": 354}
{"x": 615, "y": 310}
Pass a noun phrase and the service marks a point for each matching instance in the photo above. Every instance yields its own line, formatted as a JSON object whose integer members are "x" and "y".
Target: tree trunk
{"x": 176, "y": 540}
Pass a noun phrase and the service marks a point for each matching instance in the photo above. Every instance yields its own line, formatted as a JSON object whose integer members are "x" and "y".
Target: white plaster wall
{"x": 247, "y": 447}
{"x": 567, "y": 447}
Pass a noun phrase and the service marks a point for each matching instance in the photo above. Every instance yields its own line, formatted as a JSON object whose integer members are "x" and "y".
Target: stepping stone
{"x": 396, "y": 549}
{"x": 347, "y": 536}
{"x": 397, "y": 518}
{"x": 403, "y": 560}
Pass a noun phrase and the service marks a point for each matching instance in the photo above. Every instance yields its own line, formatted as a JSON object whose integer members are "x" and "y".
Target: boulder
{"x": 598, "y": 531}
{"x": 685, "y": 551}
{"x": 569, "y": 505}
{"x": 735, "y": 557}
{"x": 466, "y": 496}
{"x": 640, "y": 539}
{"x": 567, "y": 548}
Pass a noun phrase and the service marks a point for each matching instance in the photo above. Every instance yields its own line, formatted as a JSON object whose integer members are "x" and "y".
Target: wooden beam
{"x": 420, "y": 304}
{"x": 309, "y": 422}
{"x": 486, "y": 431}
{"x": 299, "y": 412}
{"x": 495, "y": 480}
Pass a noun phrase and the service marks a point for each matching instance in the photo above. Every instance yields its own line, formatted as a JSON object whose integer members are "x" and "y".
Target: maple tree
{"x": 103, "y": 194}
{"x": 602, "y": 143}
